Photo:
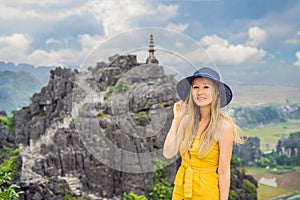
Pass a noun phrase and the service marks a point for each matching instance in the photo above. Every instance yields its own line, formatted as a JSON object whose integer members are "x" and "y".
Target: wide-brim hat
{"x": 183, "y": 87}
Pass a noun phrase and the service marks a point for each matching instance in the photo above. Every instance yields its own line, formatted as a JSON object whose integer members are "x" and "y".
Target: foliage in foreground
{"x": 8, "y": 170}
{"x": 133, "y": 196}
{"x": 161, "y": 189}
{"x": 7, "y": 190}
{"x": 8, "y": 122}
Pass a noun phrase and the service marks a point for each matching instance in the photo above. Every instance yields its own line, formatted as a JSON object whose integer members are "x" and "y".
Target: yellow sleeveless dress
{"x": 196, "y": 178}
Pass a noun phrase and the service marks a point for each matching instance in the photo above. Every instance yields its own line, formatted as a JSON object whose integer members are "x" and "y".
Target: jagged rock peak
{"x": 79, "y": 110}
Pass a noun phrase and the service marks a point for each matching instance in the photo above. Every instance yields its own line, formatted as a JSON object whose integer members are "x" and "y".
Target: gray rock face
{"x": 6, "y": 139}
{"x": 51, "y": 104}
{"x": 97, "y": 129}
{"x": 39, "y": 191}
{"x": 249, "y": 151}
{"x": 289, "y": 146}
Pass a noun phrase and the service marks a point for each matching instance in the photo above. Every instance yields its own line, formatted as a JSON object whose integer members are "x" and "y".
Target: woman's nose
{"x": 199, "y": 91}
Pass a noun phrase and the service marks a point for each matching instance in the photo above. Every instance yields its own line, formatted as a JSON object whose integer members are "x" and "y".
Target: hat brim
{"x": 183, "y": 88}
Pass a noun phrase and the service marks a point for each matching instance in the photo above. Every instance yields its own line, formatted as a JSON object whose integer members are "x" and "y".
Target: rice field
{"x": 284, "y": 181}
{"x": 270, "y": 134}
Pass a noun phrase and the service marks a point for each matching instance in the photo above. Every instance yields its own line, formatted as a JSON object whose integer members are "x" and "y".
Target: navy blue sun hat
{"x": 183, "y": 87}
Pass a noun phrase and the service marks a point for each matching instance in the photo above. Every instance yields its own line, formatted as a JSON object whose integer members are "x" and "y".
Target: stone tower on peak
{"x": 151, "y": 58}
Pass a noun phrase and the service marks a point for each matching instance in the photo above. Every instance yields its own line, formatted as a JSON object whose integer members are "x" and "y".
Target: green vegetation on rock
{"x": 8, "y": 122}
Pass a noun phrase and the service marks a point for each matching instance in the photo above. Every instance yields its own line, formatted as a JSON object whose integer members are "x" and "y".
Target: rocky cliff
{"x": 290, "y": 146}
{"x": 99, "y": 131}
{"x": 249, "y": 152}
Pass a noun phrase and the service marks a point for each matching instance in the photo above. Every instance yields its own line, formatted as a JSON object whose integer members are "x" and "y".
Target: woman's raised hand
{"x": 178, "y": 110}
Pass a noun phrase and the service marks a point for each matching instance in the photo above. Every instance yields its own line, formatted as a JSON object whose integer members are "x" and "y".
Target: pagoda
{"x": 151, "y": 59}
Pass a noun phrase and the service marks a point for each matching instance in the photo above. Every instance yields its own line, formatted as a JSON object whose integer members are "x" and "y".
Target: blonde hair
{"x": 210, "y": 134}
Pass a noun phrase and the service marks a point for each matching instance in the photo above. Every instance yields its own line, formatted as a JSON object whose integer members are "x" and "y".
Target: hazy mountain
{"x": 40, "y": 73}
{"x": 16, "y": 88}
{"x": 234, "y": 75}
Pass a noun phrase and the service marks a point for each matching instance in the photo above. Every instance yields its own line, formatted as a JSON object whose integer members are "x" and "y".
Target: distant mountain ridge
{"x": 20, "y": 82}
{"x": 40, "y": 73}
{"x": 16, "y": 88}
{"x": 234, "y": 75}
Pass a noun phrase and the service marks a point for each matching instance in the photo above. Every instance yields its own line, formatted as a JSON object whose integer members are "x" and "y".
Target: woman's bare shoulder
{"x": 224, "y": 127}
{"x": 226, "y": 123}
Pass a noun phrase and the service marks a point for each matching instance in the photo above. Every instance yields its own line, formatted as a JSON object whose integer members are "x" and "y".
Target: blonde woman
{"x": 203, "y": 136}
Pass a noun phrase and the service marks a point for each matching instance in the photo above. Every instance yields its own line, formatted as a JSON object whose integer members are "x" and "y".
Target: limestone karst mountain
{"x": 99, "y": 130}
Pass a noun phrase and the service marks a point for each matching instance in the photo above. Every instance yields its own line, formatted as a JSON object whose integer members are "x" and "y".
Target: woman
{"x": 203, "y": 136}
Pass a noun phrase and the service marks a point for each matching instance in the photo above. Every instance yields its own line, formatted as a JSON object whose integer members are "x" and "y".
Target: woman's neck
{"x": 205, "y": 113}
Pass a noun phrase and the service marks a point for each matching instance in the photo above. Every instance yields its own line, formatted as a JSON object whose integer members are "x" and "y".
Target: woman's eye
{"x": 206, "y": 87}
{"x": 195, "y": 87}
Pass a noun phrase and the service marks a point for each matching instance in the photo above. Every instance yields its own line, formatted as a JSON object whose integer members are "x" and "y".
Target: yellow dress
{"x": 196, "y": 178}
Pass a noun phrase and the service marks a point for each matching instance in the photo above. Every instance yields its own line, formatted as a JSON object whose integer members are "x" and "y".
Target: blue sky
{"x": 261, "y": 33}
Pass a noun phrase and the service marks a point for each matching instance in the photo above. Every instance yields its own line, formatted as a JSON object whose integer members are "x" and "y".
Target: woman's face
{"x": 203, "y": 91}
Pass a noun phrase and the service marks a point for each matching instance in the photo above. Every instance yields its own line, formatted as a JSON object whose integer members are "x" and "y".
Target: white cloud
{"x": 119, "y": 16}
{"x": 222, "y": 52}
{"x": 179, "y": 44}
{"x": 52, "y": 41}
{"x": 38, "y": 2}
{"x": 89, "y": 42}
{"x": 11, "y": 12}
{"x": 45, "y": 10}
{"x": 234, "y": 54}
{"x": 297, "y": 63}
{"x": 211, "y": 40}
{"x": 177, "y": 27}
{"x": 13, "y": 47}
{"x": 257, "y": 36}
{"x": 294, "y": 41}
{"x": 54, "y": 58}
{"x": 109, "y": 17}
{"x": 65, "y": 57}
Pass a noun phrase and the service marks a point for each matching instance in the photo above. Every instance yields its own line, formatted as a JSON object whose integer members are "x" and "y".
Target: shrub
{"x": 233, "y": 195}
{"x": 249, "y": 189}
{"x": 133, "y": 196}
{"x": 162, "y": 188}
{"x": 8, "y": 122}
{"x": 7, "y": 190}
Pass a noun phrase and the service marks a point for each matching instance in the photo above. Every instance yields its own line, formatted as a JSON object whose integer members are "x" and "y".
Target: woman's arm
{"x": 175, "y": 134}
{"x": 225, "y": 146}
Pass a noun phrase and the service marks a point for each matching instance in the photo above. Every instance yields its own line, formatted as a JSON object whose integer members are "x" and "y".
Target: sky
{"x": 261, "y": 33}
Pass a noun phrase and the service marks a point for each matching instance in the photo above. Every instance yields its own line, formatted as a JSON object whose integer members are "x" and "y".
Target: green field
{"x": 266, "y": 192}
{"x": 271, "y": 133}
